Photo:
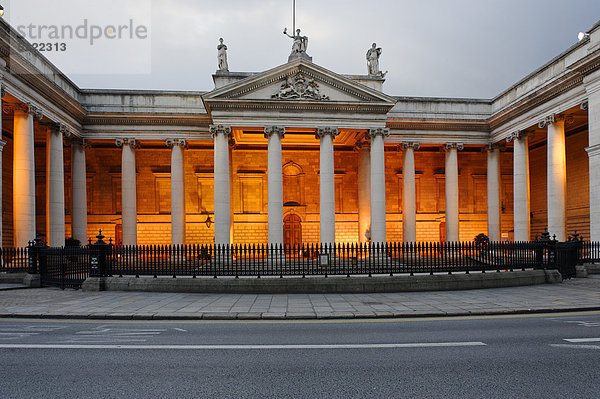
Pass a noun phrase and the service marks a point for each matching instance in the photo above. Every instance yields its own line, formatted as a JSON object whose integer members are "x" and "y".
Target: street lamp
{"x": 1, "y": 11}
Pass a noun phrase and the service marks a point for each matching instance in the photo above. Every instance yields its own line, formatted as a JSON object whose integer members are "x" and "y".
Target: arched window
{"x": 293, "y": 184}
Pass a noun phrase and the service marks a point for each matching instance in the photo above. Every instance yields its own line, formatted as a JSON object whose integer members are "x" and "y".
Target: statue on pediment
{"x": 222, "y": 57}
{"x": 300, "y": 44}
{"x": 299, "y": 87}
{"x": 373, "y": 61}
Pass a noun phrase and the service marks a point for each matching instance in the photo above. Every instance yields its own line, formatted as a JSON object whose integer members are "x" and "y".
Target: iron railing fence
{"x": 323, "y": 260}
{"x": 590, "y": 252}
{"x": 70, "y": 266}
{"x": 14, "y": 260}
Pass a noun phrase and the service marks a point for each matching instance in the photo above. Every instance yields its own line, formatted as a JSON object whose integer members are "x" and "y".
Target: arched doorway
{"x": 292, "y": 230}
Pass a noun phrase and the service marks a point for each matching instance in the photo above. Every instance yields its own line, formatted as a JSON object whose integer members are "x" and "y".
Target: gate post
{"x": 37, "y": 262}
{"x": 98, "y": 257}
{"x": 99, "y": 253}
{"x": 548, "y": 248}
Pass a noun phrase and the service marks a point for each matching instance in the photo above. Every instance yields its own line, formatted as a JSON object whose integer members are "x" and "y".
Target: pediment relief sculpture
{"x": 299, "y": 87}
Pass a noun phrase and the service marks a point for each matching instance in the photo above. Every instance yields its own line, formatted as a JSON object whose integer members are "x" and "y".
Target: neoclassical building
{"x": 297, "y": 153}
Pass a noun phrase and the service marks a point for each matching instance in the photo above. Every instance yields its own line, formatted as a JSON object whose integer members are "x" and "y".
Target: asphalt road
{"x": 545, "y": 356}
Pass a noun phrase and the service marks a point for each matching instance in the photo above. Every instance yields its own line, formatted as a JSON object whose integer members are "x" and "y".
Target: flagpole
{"x": 294, "y": 24}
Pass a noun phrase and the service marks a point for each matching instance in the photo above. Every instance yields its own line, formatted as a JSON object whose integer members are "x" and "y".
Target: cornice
{"x": 21, "y": 70}
{"x": 588, "y": 64}
{"x": 535, "y": 99}
{"x": 125, "y": 119}
{"x": 293, "y": 106}
{"x": 438, "y": 124}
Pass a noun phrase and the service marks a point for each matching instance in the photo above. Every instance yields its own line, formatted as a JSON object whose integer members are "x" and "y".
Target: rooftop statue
{"x": 299, "y": 45}
{"x": 222, "y": 57}
{"x": 373, "y": 61}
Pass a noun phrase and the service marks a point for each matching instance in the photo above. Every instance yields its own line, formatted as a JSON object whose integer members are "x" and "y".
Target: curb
{"x": 281, "y": 317}
{"x": 16, "y": 287}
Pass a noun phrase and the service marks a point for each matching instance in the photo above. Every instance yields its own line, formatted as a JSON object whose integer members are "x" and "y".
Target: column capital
{"x": 216, "y": 129}
{"x": 410, "y": 144}
{"x": 452, "y": 146}
{"x": 72, "y": 139}
{"x": 270, "y": 130}
{"x": 379, "y": 131}
{"x": 28, "y": 108}
{"x": 584, "y": 105}
{"x": 361, "y": 145}
{"x": 518, "y": 135}
{"x": 325, "y": 130}
{"x": 133, "y": 143}
{"x": 550, "y": 119}
{"x": 35, "y": 111}
{"x": 57, "y": 127}
{"x": 494, "y": 146}
{"x": 176, "y": 142}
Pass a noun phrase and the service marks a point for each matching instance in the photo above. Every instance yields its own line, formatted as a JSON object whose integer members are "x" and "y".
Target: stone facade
{"x": 221, "y": 147}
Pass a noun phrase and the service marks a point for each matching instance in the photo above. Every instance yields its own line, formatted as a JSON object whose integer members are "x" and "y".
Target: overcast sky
{"x": 447, "y": 48}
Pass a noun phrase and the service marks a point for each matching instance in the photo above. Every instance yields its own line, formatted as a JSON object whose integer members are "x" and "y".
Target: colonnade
{"x": 371, "y": 179}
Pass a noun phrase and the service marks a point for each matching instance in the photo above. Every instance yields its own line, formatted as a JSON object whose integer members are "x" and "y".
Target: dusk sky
{"x": 458, "y": 48}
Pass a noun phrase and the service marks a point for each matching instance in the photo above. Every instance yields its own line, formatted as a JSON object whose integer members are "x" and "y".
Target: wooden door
{"x": 292, "y": 230}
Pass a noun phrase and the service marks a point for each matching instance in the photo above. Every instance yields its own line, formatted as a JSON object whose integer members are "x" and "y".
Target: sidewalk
{"x": 576, "y": 294}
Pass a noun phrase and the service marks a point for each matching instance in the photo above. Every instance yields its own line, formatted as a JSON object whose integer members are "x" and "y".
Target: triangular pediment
{"x": 302, "y": 81}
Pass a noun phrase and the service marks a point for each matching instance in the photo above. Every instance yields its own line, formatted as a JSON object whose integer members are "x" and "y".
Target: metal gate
{"x": 567, "y": 257}
{"x": 63, "y": 267}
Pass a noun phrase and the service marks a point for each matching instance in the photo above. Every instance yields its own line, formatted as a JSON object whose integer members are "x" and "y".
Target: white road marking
{"x": 596, "y": 347}
{"x": 585, "y": 323}
{"x": 12, "y": 333}
{"x": 15, "y": 335}
{"x": 115, "y": 333}
{"x": 32, "y": 328}
{"x": 577, "y": 340}
{"x": 106, "y": 334}
{"x": 245, "y": 347}
{"x": 180, "y": 329}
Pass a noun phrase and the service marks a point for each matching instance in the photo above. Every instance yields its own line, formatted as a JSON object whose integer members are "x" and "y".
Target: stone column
{"x": 364, "y": 192}
{"x": 557, "y": 176}
{"x": 221, "y": 135}
{"x": 521, "y": 211}
{"x": 327, "y": 184}
{"x": 409, "y": 196}
{"x": 378, "y": 184}
{"x": 55, "y": 186}
{"x": 452, "y": 213}
{"x": 177, "y": 191}
{"x": 79, "y": 190}
{"x": 128, "y": 191}
{"x": 275, "y": 183}
{"x": 493, "y": 193}
{"x": 24, "y": 174}
{"x": 2, "y": 144}
{"x": 592, "y": 105}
